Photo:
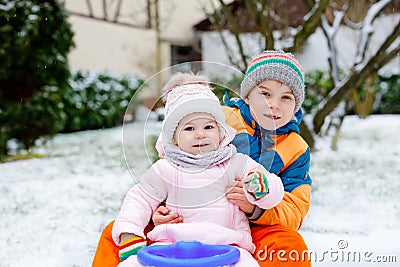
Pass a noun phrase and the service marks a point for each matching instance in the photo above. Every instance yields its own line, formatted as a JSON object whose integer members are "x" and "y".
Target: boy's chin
{"x": 269, "y": 126}
{"x": 272, "y": 126}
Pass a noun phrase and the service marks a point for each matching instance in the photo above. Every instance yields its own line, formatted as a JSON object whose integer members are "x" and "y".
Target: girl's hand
{"x": 163, "y": 215}
{"x": 235, "y": 195}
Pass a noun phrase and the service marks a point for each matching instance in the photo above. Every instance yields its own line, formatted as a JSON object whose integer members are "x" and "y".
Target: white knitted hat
{"x": 186, "y": 94}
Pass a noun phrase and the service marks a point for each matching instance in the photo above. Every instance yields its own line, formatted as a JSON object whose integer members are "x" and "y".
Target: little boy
{"x": 267, "y": 118}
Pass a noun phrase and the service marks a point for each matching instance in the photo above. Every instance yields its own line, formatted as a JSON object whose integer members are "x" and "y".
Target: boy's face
{"x": 271, "y": 104}
{"x": 197, "y": 133}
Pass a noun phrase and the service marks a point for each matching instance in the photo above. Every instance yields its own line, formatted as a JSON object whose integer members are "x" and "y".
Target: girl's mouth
{"x": 200, "y": 145}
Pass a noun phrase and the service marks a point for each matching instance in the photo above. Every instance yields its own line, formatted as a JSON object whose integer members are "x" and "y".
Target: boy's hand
{"x": 256, "y": 183}
{"x": 235, "y": 195}
{"x": 130, "y": 245}
{"x": 163, "y": 215}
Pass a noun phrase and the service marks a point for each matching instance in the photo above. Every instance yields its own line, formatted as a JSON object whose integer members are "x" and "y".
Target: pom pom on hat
{"x": 180, "y": 79}
{"x": 184, "y": 94}
{"x": 278, "y": 66}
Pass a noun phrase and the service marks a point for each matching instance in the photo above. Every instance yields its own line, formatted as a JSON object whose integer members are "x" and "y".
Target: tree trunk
{"x": 307, "y": 135}
{"x": 364, "y": 98}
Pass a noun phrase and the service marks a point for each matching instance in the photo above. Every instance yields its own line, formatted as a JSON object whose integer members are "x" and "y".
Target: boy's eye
{"x": 265, "y": 93}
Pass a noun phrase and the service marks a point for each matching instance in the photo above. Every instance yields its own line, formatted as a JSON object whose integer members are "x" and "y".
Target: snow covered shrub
{"x": 35, "y": 39}
{"x": 97, "y": 100}
{"x": 385, "y": 89}
{"x": 389, "y": 94}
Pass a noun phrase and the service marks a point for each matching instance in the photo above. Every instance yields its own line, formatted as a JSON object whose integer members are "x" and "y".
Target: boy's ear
{"x": 246, "y": 100}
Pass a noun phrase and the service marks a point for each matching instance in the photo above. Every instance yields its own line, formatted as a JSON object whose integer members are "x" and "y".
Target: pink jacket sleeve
{"x": 139, "y": 204}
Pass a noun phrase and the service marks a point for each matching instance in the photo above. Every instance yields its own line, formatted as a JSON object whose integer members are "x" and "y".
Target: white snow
{"x": 53, "y": 209}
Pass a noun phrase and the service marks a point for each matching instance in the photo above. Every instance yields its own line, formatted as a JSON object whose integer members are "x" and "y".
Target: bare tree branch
{"x": 117, "y": 14}
{"x": 375, "y": 63}
{"x": 117, "y": 10}
{"x": 105, "y": 10}
{"x": 262, "y": 17}
{"x": 90, "y": 9}
{"x": 149, "y": 14}
{"x": 343, "y": 11}
{"x": 330, "y": 33}
{"x": 311, "y": 22}
{"x": 215, "y": 20}
{"x": 367, "y": 31}
{"x": 234, "y": 29}
{"x": 309, "y": 3}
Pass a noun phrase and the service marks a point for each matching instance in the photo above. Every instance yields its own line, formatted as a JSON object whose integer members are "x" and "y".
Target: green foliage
{"x": 232, "y": 86}
{"x": 318, "y": 86}
{"x": 41, "y": 115}
{"x": 97, "y": 100}
{"x": 35, "y": 39}
{"x": 92, "y": 101}
{"x": 389, "y": 90}
{"x": 37, "y": 96}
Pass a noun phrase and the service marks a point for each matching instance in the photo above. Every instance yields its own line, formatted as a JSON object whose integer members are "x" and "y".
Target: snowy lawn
{"x": 53, "y": 209}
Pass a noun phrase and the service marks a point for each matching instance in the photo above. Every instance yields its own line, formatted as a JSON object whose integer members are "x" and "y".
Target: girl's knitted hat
{"x": 184, "y": 94}
{"x": 278, "y": 66}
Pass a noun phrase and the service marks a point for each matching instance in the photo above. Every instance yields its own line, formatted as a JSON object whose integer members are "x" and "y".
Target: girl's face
{"x": 197, "y": 133}
{"x": 271, "y": 104}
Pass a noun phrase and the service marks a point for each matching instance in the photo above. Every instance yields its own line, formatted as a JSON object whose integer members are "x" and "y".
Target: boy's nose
{"x": 273, "y": 103}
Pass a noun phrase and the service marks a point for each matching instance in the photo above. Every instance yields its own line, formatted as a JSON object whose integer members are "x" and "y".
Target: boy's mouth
{"x": 272, "y": 117}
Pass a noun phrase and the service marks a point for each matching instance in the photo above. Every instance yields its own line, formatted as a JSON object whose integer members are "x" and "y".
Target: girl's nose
{"x": 200, "y": 134}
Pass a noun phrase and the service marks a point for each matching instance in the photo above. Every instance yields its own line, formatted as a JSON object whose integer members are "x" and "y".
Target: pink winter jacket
{"x": 198, "y": 195}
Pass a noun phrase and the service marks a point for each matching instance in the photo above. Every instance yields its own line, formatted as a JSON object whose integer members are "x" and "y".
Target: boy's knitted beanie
{"x": 184, "y": 94}
{"x": 278, "y": 66}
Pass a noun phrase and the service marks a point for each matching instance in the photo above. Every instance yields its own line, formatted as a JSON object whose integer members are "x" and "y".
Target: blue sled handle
{"x": 193, "y": 254}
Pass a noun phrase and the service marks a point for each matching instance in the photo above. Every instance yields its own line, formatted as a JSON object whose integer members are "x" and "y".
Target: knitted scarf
{"x": 187, "y": 160}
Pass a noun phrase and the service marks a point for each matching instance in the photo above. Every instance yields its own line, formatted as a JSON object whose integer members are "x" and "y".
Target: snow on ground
{"x": 52, "y": 210}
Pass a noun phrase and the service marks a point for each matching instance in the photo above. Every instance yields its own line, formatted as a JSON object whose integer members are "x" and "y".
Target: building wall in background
{"x": 102, "y": 46}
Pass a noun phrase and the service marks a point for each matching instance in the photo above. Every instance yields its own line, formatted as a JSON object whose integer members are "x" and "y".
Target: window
{"x": 182, "y": 55}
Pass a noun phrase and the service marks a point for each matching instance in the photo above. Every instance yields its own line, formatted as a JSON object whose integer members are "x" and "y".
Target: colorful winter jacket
{"x": 199, "y": 197}
{"x": 283, "y": 152}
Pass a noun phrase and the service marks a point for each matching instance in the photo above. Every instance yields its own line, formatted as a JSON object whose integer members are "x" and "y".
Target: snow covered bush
{"x": 97, "y": 100}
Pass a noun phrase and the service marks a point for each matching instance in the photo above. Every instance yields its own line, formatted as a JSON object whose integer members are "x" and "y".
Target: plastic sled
{"x": 194, "y": 254}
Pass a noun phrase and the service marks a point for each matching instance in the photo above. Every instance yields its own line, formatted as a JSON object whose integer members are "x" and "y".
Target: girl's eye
{"x": 189, "y": 128}
{"x": 208, "y": 127}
